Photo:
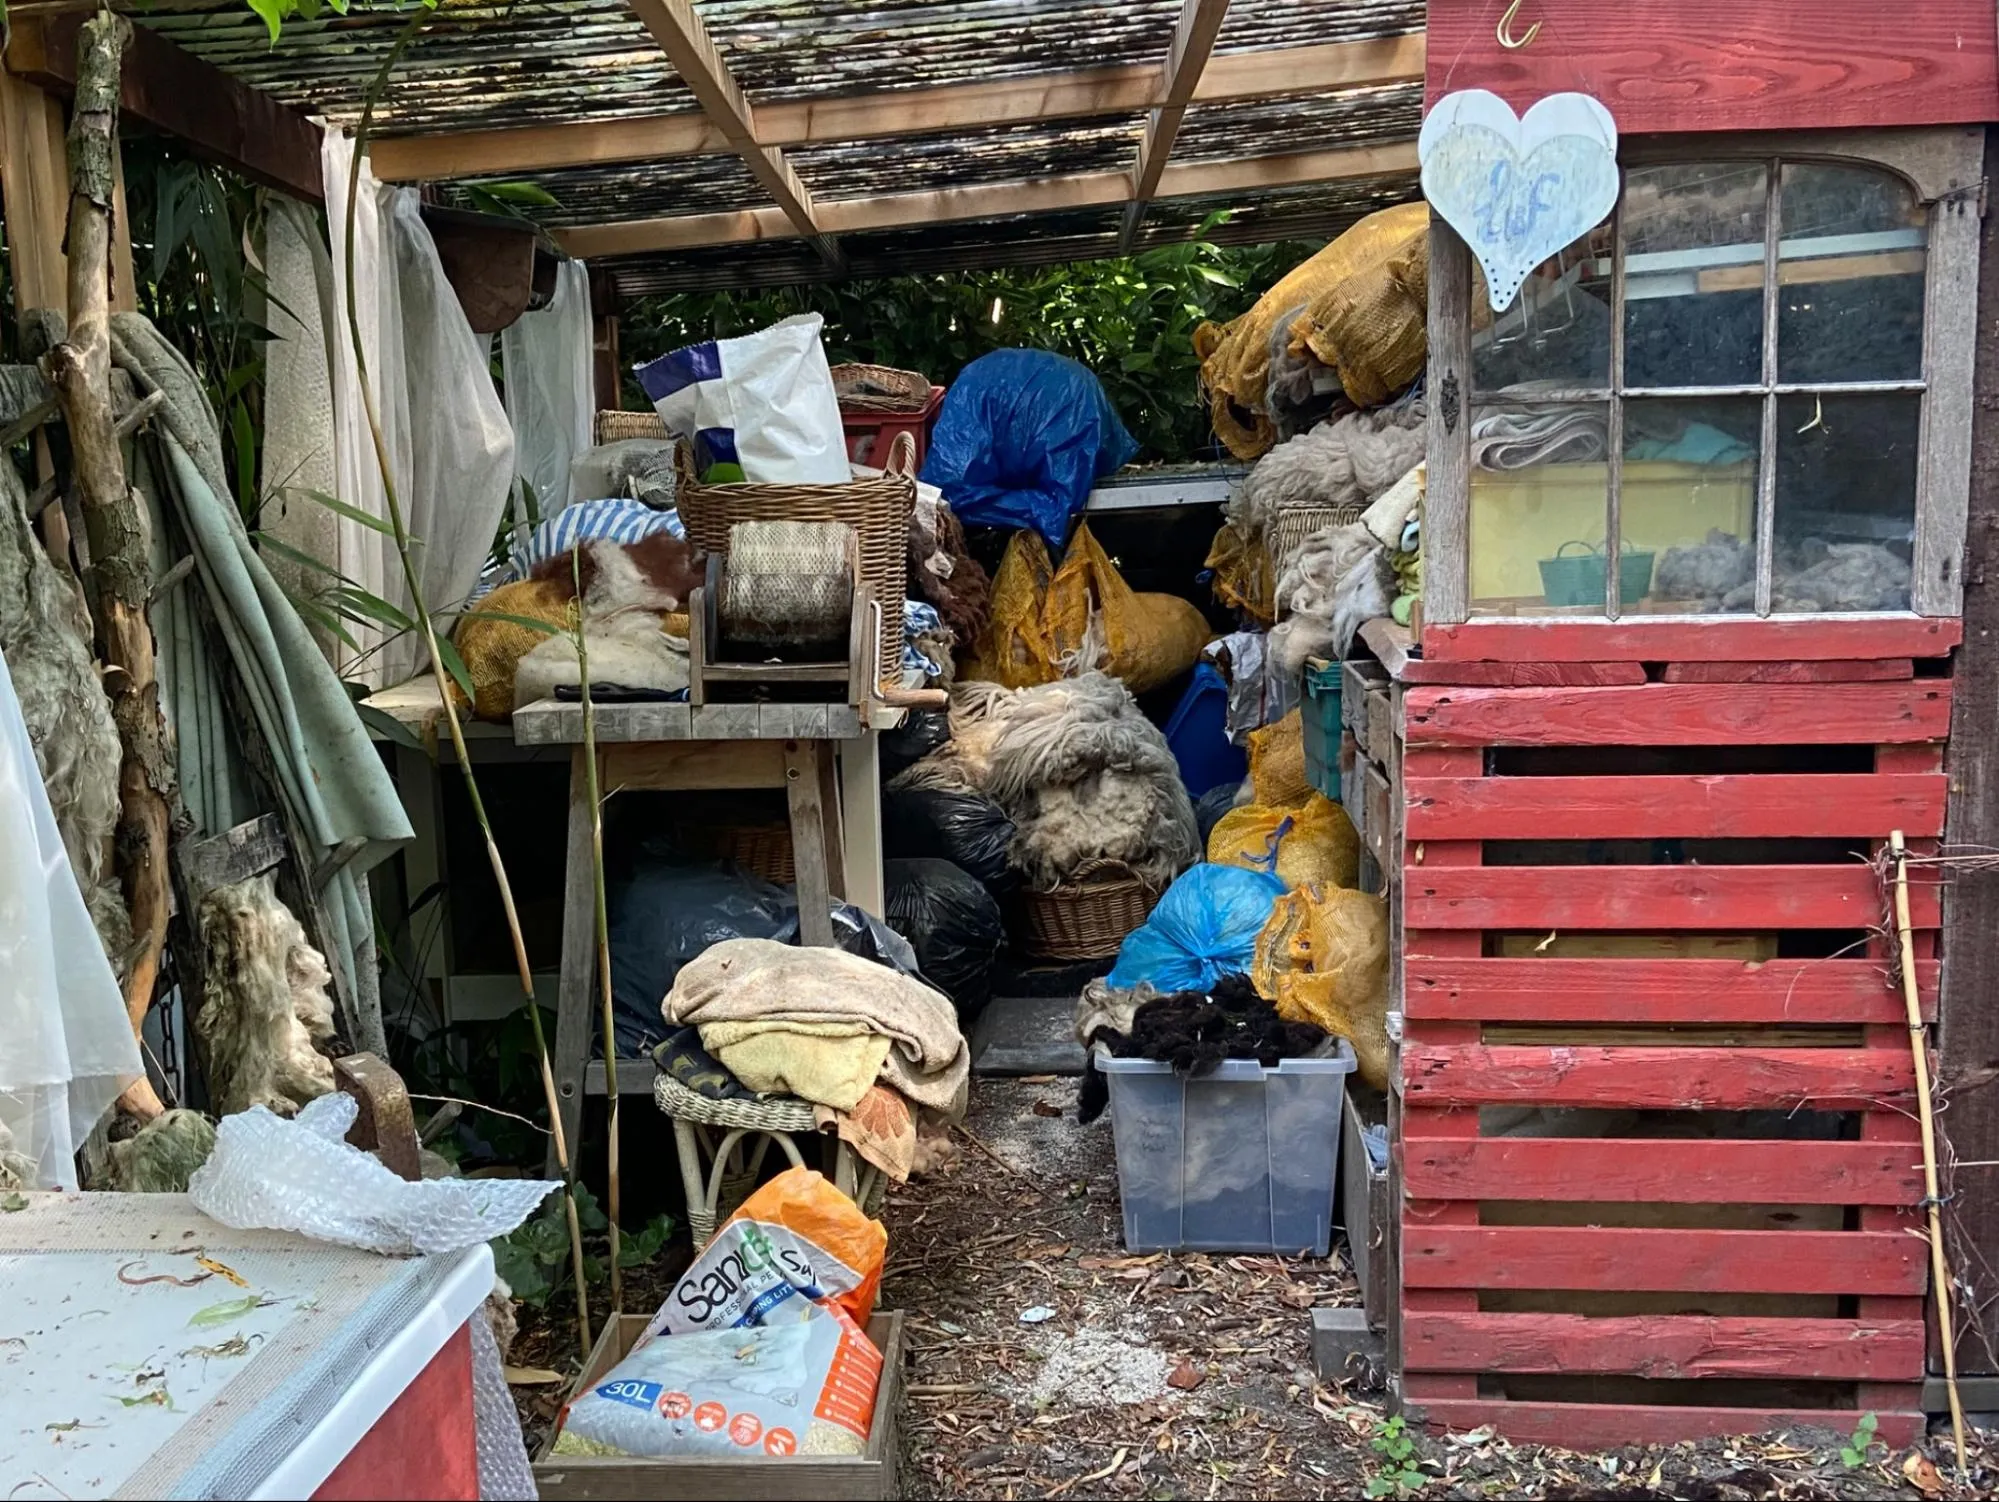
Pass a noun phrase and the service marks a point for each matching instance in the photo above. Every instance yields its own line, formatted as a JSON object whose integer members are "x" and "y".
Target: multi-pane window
{"x": 1721, "y": 389}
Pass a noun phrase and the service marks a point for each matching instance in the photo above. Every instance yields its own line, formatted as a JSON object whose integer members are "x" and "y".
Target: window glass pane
{"x": 1693, "y": 287}
{"x": 1537, "y": 508}
{"x": 1851, "y": 268}
{"x": 1846, "y": 501}
{"x": 1557, "y": 333}
{"x": 1688, "y": 515}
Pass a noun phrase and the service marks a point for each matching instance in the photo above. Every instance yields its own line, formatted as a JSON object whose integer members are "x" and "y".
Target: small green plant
{"x": 1853, "y": 1454}
{"x": 1399, "y": 1477}
{"x": 535, "y": 1259}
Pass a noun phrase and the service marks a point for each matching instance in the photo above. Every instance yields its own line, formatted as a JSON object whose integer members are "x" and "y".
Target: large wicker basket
{"x": 893, "y": 390}
{"x": 614, "y": 426}
{"x": 763, "y": 850}
{"x": 877, "y": 509}
{"x": 1086, "y": 919}
{"x": 1290, "y": 530}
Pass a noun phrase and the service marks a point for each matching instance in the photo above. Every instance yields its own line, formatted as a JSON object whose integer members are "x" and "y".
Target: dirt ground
{"x": 1044, "y": 1362}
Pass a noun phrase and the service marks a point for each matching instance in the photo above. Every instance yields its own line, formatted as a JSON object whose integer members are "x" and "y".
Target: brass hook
{"x": 1505, "y": 33}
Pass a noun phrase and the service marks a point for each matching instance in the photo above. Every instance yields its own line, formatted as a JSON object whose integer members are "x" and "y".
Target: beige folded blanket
{"x": 784, "y": 986}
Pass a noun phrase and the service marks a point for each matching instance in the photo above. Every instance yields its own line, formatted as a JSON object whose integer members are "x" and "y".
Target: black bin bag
{"x": 953, "y": 924}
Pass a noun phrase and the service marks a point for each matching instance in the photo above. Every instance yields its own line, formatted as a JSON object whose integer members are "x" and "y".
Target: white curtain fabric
{"x": 450, "y": 448}
{"x": 365, "y": 557}
{"x": 66, "y": 1048}
{"x": 546, "y": 362}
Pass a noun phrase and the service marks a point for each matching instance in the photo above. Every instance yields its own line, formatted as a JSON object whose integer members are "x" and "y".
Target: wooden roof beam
{"x": 684, "y": 38}
{"x": 1080, "y": 94}
{"x": 1045, "y": 195}
{"x": 171, "y": 90}
{"x": 1193, "y": 39}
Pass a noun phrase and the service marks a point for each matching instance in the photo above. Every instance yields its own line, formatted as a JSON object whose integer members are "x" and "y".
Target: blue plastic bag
{"x": 1205, "y": 927}
{"x": 1022, "y": 437}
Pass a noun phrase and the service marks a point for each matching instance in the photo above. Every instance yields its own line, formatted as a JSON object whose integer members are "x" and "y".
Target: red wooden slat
{"x": 1714, "y": 807}
{"x": 1876, "y": 670}
{"x": 1661, "y": 1261}
{"x": 1663, "y": 1079}
{"x": 1520, "y": 674}
{"x": 1601, "y": 1170}
{"x": 1666, "y": 991}
{"x": 1807, "y": 639}
{"x": 1611, "y": 1426}
{"x": 1666, "y": 1346}
{"x": 1681, "y": 714}
{"x": 1699, "y": 65}
{"x": 1733, "y": 898}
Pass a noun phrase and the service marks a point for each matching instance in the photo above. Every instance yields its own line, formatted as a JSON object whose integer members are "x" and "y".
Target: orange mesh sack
{"x": 1313, "y": 844}
{"x": 1047, "y": 622}
{"x": 1323, "y": 957}
{"x": 1372, "y": 328}
{"x": 1243, "y": 576}
{"x": 492, "y": 649}
{"x": 1277, "y": 763}
{"x": 1146, "y": 639}
{"x": 1015, "y": 651}
{"x": 1235, "y": 370}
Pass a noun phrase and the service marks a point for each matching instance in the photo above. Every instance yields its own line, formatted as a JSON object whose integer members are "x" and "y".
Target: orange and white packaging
{"x": 758, "y": 1351}
{"x": 795, "y": 1242}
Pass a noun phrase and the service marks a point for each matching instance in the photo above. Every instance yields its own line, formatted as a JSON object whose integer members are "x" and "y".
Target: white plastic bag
{"x": 764, "y": 401}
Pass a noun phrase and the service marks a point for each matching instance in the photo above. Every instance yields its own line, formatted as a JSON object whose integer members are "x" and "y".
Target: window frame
{"x": 1944, "y": 167}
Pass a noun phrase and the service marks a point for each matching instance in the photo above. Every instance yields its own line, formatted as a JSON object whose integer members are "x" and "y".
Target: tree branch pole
{"x": 80, "y": 370}
{"x": 1932, "y": 1198}
{"x": 442, "y": 678}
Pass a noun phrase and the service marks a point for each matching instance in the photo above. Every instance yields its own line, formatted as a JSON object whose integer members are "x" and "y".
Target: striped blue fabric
{"x": 618, "y": 519}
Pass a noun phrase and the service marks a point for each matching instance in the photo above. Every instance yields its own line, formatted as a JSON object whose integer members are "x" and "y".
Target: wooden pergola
{"x": 728, "y": 143}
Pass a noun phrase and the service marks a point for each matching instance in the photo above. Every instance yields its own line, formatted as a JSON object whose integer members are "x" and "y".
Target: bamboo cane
{"x": 603, "y": 920}
{"x": 442, "y": 678}
{"x": 1932, "y": 1199}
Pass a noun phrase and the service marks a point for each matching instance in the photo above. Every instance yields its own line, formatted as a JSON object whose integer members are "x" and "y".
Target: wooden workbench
{"x": 823, "y": 755}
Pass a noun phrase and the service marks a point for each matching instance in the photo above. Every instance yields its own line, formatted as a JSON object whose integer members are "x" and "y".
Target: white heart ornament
{"x": 1518, "y": 190}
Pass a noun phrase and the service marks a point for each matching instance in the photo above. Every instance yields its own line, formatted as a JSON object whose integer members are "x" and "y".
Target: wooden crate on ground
{"x": 867, "y": 1477}
{"x": 1656, "y": 1143}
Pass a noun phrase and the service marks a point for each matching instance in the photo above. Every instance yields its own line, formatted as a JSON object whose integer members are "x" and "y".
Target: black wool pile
{"x": 1194, "y": 1031}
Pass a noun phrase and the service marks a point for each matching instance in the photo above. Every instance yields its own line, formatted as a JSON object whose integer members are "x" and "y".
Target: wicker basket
{"x": 612, "y": 427}
{"x": 763, "y": 850}
{"x": 1289, "y": 532}
{"x": 900, "y": 390}
{"x": 1086, "y": 919}
{"x": 877, "y": 509}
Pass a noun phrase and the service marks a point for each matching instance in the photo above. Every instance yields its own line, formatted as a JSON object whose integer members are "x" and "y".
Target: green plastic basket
{"x": 1322, "y": 726}
{"x": 1577, "y": 579}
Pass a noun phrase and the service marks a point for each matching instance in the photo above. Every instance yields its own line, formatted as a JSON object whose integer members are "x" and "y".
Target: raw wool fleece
{"x": 1338, "y": 579}
{"x": 1083, "y": 775}
{"x": 629, "y": 649}
{"x": 265, "y": 1010}
{"x": 45, "y": 632}
{"x": 649, "y": 578}
{"x": 163, "y": 1154}
{"x": 1350, "y": 461}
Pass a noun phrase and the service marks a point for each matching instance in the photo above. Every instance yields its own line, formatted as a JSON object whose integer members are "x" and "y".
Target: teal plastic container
{"x": 1320, "y": 712}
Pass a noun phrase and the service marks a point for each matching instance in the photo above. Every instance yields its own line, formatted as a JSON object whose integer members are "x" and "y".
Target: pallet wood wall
{"x": 1721, "y": 65}
{"x": 1594, "y": 1284}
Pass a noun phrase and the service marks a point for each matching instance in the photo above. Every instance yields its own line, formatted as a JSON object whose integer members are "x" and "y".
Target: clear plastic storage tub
{"x": 1243, "y": 1159}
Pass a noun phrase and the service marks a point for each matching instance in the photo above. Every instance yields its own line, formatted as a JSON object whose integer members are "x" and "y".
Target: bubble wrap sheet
{"x": 301, "y": 1175}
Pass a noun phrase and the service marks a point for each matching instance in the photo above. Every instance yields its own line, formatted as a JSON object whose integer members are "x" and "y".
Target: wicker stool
{"x": 733, "y": 1166}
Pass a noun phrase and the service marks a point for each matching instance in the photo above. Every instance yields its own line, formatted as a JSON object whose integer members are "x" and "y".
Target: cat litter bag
{"x": 762, "y": 401}
{"x": 802, "y": 1387}
{"x": 796, "y": 1243}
